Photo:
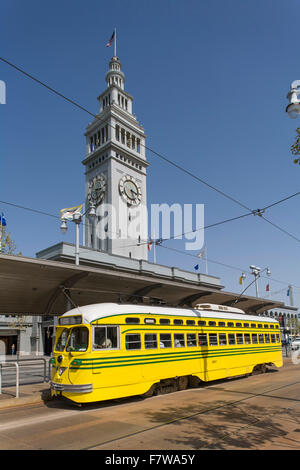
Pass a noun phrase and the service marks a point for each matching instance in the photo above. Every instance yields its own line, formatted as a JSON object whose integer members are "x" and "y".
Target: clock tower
{"x": 115, "y": 169}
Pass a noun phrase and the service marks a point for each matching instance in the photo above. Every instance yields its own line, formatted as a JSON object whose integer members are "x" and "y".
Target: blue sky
{"x": 209, "y": 80}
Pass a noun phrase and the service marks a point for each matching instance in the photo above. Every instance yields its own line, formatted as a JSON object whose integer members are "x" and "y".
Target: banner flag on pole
{"x": 268, "y": 287}
{"x": 2, "y": 220}
{"x": 67, "y": 213}
{"x": 149, "y": 244}
{"x": 202, "y": 253}
{"x": 196, "y": 267}
{"x": 288, "y": 293}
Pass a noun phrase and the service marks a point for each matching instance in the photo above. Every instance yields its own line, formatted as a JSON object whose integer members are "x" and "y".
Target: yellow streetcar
{"x": 106, "y": 351}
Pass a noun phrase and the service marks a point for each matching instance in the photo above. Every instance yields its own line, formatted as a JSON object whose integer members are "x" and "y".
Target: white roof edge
{"x": 102, "y": 310}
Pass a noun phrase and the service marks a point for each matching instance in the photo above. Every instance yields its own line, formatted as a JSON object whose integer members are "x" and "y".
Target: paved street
{"x": 258, "y": 412}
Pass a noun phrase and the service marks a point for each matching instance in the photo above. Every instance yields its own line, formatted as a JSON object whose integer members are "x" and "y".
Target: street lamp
{"x": 256, "y": 271}
{"x": 77, "y": 219}
{"x": 293, "y": 108}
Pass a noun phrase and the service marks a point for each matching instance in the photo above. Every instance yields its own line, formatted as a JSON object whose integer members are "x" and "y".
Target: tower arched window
{"x": 117, "y": 132}
{"x": 123, "y": 136}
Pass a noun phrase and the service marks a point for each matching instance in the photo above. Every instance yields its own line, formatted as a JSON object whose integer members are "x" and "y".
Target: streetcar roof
{"x": 93, "y": 312}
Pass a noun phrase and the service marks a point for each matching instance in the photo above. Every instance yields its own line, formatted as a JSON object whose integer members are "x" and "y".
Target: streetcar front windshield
{"x": 72, "y": 339}
{"x": 78, "y": 339}
{"x": 62, "y": 339}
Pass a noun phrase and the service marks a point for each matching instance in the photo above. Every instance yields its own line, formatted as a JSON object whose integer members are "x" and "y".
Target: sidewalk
{"x": 28, "y": 394}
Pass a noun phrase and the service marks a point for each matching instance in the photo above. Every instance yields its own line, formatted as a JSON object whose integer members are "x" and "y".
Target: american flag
{"x": 111, "y": 40}
{"x": 149, "y": 244}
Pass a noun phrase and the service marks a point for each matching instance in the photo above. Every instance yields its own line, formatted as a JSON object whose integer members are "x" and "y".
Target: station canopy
{"x": 31, "y": 286}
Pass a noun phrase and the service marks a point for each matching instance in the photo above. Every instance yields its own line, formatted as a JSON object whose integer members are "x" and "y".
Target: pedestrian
{"x": 12, "y": 349}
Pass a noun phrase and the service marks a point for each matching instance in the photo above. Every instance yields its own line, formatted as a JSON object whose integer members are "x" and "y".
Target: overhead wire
{"x": 179, "y": 167}
{"x": 37, "y": 211}
{"x": 48, "y": 87}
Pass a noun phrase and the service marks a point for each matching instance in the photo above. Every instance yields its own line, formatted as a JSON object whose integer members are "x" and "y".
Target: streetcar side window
{"x": 238, "y": 324}
{"x": 212, "y": 323}
{"x": 222, "y": 339}
{"x": 106, "y": 337}
{"x": 191, "y": 339}
{"x": 254, "y": 339}
{"x": 231, "y": 338}
{"x": 150, "y": 341}
{"x": 201, "y": 322}
{"x": 247, "y": 338}
{"x": 190, "y": 322}
{"x": 179, "y": 341}
{"x": 230, "y": 324}
{"x": 273, "y": 340}
{"x": 150, "y": 321}
{"x": 266, "y": 326}
{"x": 202, "y": 339}
{"x": 261, "y": 339}
{"x": 253, "y": 325}
{"x": 213, "y": 339}
{"x": 277, "y": 339}
{"x": 133, "y": 341}
{"x": 165, "y": 340}
{"x": 246, "y": 325}
{"x": 164, "y": 321}
{"x": 178, "y": 322}
{"x": 221, "y": 323}
{"x": 259, "y": 325}
{"x": 239, "y": 338}
{"x": 132, "y": 320}
{"x": 267, "y": 338}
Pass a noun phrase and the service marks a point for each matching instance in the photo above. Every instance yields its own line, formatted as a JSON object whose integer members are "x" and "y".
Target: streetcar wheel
{"x": 150, "y": 392}
{"x": 194, "y": 382}
{"x": 259, "y": 369}
{"x": 182, "y": 382}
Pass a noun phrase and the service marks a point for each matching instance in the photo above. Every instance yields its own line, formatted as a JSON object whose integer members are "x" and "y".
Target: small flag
{"x": 267, "y": 287}
{"x": 149, "y": 244}
{"x": 196, "y": 267}
{"x": 241, "y": 280}
{"x": 201, "y": 254}
{"x": 288, "y": 293}
{"x": 111, "y": 40}
{"x": 68, "y": 212}
{"x": 2, "y": 220}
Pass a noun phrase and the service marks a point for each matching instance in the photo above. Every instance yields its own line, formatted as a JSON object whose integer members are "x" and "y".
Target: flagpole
{"x": 115, "y": 45}
{"x": 154, "y": 248}
{"x": 1, "y": 236}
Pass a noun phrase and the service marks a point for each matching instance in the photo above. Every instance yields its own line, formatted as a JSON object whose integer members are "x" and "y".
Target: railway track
{"x": 199, "y": 413}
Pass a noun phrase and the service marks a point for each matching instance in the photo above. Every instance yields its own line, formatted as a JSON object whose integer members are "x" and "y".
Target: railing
{"x": 18, "y": 363}
{"x": 34, "y": 360}
{"x": 17, "y": 375}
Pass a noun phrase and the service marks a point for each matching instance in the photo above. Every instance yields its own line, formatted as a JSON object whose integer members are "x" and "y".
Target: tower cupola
{"x": 115, "y": 76}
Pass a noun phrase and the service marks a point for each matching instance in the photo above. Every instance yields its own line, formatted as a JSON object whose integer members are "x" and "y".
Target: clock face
{"x": 130, "y": 190}
{"x": 97, "y": 189}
